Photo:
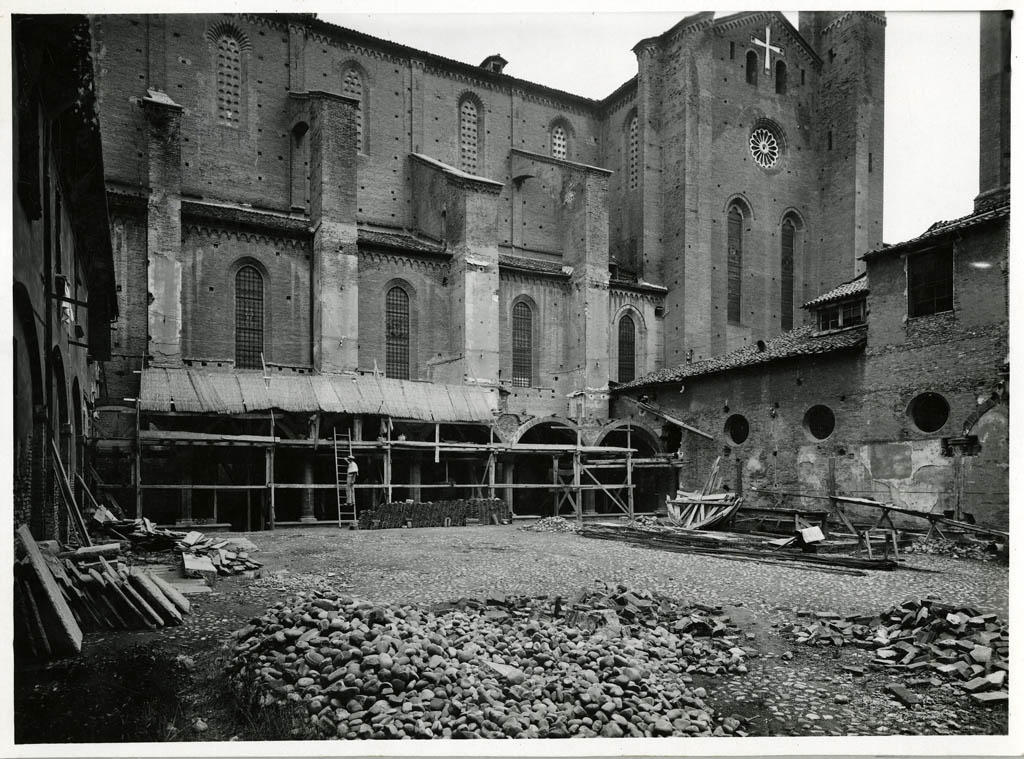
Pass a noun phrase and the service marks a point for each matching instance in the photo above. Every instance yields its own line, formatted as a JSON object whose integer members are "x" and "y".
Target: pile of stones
{"x": 977, "y": 550}
{"x": 504, "y": 667}
{"x": 926, "y": 640}
{"x": 551, "y": 524}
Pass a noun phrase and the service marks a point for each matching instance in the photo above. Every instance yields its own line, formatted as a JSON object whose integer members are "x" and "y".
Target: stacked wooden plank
{"x": 206, "y": 555}
{"x": 57, "y": 597}
{"x": 141, "y": 533}
{"x": 926, "y": 639}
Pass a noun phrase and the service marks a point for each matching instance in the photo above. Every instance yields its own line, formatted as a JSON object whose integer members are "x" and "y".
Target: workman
{"x": 350, "y": 485}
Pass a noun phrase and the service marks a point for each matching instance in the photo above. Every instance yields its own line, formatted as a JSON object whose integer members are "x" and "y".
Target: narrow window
{"x": 930, "y": 282}
{"x": 352, "y": 86}
{"x": 870, "y": 162}
{"x": 559, "y": 142}
{"x": 780, "y": 78}
{"x": 248, "y": 318}
{"x": 634, "y": 154}
{"x": 830, "y": 139}
{"x": 522, "y": 345}
{"x": 735, "y": 263}
{"x": 397, "y": 332}
{"x": 396, "y": 327}
{"x": 732, "y": 50}
{"x": 803, "y": 76}
{"x": 229, "y": 80}
{"x": 788, "y": 237}
{"x": 752, "y": 67}
{"x": 469, "y": 131}
{"x": 627, "y": 349}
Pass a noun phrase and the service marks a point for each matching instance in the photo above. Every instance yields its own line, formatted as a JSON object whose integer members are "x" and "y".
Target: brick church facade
{"x": 292, "y": 197}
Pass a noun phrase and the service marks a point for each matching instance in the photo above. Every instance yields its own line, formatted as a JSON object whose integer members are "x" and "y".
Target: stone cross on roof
{"x": 769, "y": 48}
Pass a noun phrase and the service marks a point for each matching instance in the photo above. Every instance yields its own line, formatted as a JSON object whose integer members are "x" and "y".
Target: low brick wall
{"x": 433, "y": 513}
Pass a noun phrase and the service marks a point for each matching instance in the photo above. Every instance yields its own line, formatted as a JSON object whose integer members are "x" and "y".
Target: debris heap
{"x": 926, "y": 639}
{"x": 204, "y": 556}
{"x": 612, "y": 663}
{"x": 551, "y": 524}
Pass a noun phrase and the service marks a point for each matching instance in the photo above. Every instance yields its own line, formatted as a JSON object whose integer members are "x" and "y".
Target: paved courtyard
{"x": 788, "y": 690}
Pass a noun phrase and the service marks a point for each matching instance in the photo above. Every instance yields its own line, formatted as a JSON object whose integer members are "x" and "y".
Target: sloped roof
{"x": 856, "y": 286}
{"x": 190, "y": 390}
{"x": 535, "y": 265}
{"x": 942, "y": 228}
{"x": 399, "y": 241}
{"x": 801, "y": 341}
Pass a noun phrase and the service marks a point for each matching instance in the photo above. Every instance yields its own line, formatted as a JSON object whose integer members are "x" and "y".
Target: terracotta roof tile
{"x": 856, "y": 286}
{"x": 941, "y": 228}
{"x": 534, "y": 264}
{"x": 802, "y": 341}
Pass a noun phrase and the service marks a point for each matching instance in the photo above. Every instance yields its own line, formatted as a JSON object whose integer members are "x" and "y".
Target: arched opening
{"x": 397, "y": 333}
{"x": 559, "y": 142}
{"x": 248, "y": 318}
{"x": 650, "y": 486}
{"x": 786, "y": 265}
{"x": 633, "y": 152}
{"x": 751, "y": 67}
{"x": 229, "y": 80}
{"x": 734, "y": 263}
{"x": 627, "y": 349}
{"x": 77, "y": 429}
{"x": 28, "y": 376}
{"x": 780, "y": 78}
{"x": 352, "y": 86}
{"x": 539, "y": 467}
{"x": 469, "y": 135}
{"x": 522, "y": 345}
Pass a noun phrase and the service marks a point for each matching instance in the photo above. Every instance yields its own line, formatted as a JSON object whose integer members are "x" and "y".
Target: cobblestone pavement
{"x": 788, "y": 690}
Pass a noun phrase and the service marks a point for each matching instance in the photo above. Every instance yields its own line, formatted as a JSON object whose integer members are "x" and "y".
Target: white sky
{"x": 931, "y": 84}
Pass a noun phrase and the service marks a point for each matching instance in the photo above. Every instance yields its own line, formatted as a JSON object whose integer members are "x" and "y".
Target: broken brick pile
{"x": 958, "y": 549}
{"x": 507, "y": 667}
{"x": 205, "y": 556}
{"x": 924, "y": 639}
{"x": 551, "y": 524}
{"x": 432, "y": 513}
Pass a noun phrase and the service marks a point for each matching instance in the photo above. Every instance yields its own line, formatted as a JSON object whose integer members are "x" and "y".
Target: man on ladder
{"x": 350, "y": 482}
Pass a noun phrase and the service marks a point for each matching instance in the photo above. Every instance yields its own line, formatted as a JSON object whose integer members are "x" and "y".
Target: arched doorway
{"x": 650, "y": 486}
{"x": 538, "y": 466}
{"x": 29, "y": 416}
{"x": 986, "y": 476}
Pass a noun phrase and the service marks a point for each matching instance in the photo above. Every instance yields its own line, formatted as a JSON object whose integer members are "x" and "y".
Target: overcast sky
{"x": 931, "y": 84}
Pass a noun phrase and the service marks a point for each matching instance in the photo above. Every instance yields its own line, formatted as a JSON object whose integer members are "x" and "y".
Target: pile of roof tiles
{"x": 551, "y": 524}
{"x": 926, "y": 638}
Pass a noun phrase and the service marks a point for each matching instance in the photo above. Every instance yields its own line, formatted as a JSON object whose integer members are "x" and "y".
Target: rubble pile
{"x": 958, "y": 549}
{"x": 645, "y": 520}
{"x": 613, "y": 663}
{"x": 203, "y": 556}
{"x": 551, "y": 524}
{"x": 928, "y": 639}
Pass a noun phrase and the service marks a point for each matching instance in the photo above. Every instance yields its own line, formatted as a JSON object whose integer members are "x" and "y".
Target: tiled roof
{"x": 856, "y": 286}
{"x": 801, "y": 341}
{"x": 942, "y": 228}
{"x": 235, "y": 392}
{"x": 534, "y": 264}
{"x": 400, "y": 241}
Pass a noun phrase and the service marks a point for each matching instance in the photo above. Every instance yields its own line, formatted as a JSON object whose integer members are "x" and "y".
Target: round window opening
{"x": 929, "y": 412}
{"x": 764, "y": 147}
{"x": 820, "y": 422}
{"x": 737, "y": 428}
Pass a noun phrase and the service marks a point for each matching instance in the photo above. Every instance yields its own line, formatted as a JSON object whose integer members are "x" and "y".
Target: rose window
{"x": 764, "y": 148}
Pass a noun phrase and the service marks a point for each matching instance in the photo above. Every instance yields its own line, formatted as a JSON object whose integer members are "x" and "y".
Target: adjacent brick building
{"x": 64, "y": 294}
{"x": 898, "y": 387}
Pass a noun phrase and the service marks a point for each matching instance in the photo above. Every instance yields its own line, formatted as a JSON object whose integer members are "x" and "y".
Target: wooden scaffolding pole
{"x": 629, "y": 469}
{"x": 138, "y": 459}
{"x": 270, "y": 484}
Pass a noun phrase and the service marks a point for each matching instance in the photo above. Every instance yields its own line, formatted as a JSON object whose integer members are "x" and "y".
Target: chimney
{"x": 494, "y": 63}
{"x": 994, "y": 147}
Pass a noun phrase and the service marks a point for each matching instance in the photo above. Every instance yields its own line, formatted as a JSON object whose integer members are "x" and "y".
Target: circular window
{"x": 737, "y": 428}
{"x": 819, "y": 421}
{"x": 764, "y": 147}
{"x": 929, "y": 412}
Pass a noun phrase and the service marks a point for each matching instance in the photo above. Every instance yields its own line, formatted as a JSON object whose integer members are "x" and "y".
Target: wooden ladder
{"x": 348, "y": 513}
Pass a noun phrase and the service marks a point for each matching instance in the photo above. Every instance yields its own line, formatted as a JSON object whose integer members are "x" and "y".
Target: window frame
{"x": 734, "y": 263}
{"x": 220, "y": 80}
{"x": 397, "y": 342}
{"x": 477, "y": 121}
{"x": 752, "y": 71}
{"x": 935, "y": 303}
{"x": 521, "y": 338}
{"x": 360, "y": 77}
{"x": 633, "y": 150}
{"x": 787, "y": 278}
{"x": 242, "y": 359}
{"x": 631, "y": 364}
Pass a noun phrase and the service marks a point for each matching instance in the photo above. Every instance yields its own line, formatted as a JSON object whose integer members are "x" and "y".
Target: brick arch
{"x": 570, "y": 135}
{"x": 740, "y": 200}
{"x": 553, "y": 420}
{"x": 228, "y": 29}
{"x": 365, "y": 83}
{"x": 478, "y": 167}
{"x": 649, "y": 434}
{"x": 26, "y": 318}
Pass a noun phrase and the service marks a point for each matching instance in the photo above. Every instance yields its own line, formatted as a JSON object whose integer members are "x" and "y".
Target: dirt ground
{"x": 168, "y": 685}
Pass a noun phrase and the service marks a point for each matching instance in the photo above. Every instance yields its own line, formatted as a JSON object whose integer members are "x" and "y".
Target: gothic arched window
{"x": 469, "y": 136}
{"x": 627, "y": 349}
{"x": 751, "y": 67}
{"x": 248, "y": 318}
{"x": 735, "y": 263}
{"x": 634, "y": 153}
{"x": 780, "y": 78}
{"x": 788, "y": 243}
{"x": 352, "y": 86}
{"x": 397, "y": 331}
{"x": 559, "y": 142}
{"x": 522, "y": 345}
{"x": 229, "y": 80}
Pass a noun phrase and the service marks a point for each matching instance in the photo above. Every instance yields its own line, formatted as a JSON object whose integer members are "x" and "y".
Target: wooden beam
{"x": 66, "y": 634}
{"x": 667, "y": 417}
